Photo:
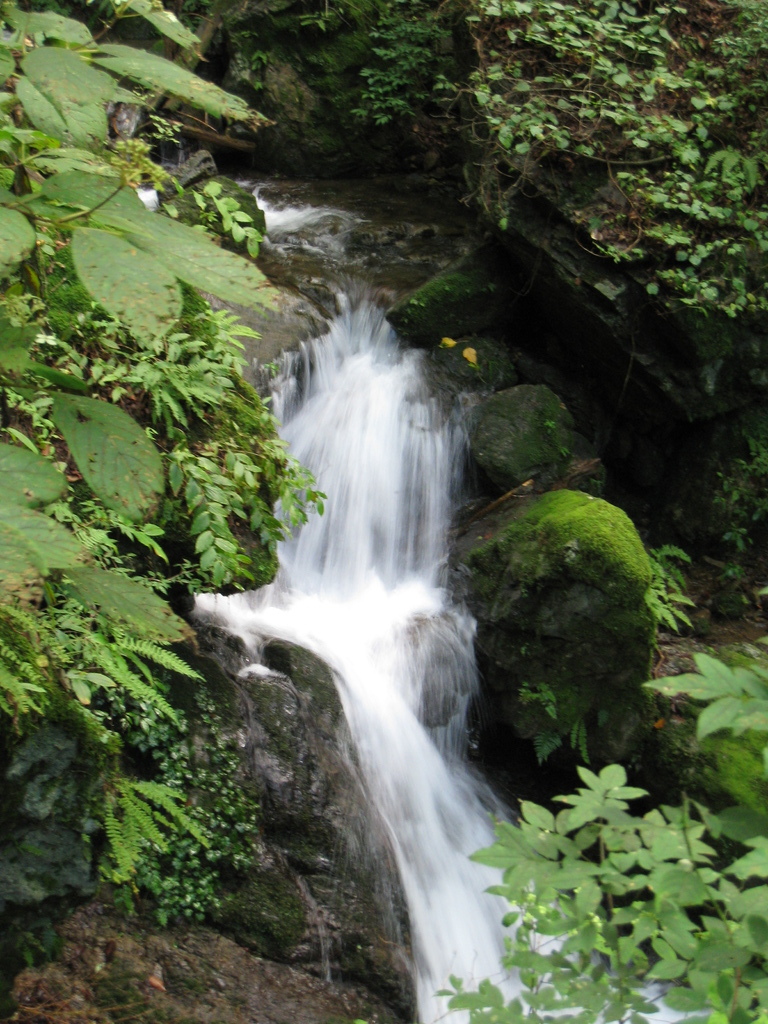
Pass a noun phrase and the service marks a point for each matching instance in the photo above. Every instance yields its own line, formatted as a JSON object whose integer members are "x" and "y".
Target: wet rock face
{"x": 320, "y": 894}
{"x": 557, "y": 584}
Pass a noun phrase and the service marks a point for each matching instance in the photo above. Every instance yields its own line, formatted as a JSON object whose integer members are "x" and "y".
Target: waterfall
{"x": 361, "y": 587}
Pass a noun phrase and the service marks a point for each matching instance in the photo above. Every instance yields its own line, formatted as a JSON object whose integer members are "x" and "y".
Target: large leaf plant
{"x": 74, "y": 623}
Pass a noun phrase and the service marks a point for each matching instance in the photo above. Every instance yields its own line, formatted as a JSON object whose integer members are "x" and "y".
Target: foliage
{"x": 609, "y": 907}
{"x": 743, "y": 496}
{"x": 184, "y": 877}
{"x": 112, "y": 373}
{"x": 668, "y": 98}
{"x": 665, "y": 593}
{"x": 406, "y": 40}
{"x": 224, "y": 214}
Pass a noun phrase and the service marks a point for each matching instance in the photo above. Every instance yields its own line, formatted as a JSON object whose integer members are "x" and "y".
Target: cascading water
{"x": 361, "y": 588}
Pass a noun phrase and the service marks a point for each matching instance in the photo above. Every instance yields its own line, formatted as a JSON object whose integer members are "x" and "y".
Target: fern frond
{"x": 545, "y": 743}
{"x": 160, "y": 655}
{"x": 17, "y": 696}
{"x": 114, "y": 665}
{"x": 130, "y": 822}
{"x": 168, "y": 799}
{"x": 124, "y": 854}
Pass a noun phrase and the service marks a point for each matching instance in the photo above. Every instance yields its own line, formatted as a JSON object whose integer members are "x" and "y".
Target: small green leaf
{"x": 80, "y": 688}
{"x": 113, "y": 453}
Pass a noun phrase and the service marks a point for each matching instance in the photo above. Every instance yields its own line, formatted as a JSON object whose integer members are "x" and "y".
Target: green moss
{"x": 266, "y": 914}
{"x": 573, "y": 533}
{"x": 563, "y": 623}
{"x": 735, "y": 770}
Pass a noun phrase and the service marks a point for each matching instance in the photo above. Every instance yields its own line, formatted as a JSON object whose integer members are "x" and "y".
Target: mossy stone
{"x": 491, "y": 369}
{"x": 469, "y": 297}
{"x": 558, "y": 585}
{"x": 522, "y": 433}
{"x": 266, "y": 914}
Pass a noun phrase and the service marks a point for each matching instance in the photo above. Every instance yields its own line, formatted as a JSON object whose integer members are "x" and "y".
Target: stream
{"x": 364, "y": 587}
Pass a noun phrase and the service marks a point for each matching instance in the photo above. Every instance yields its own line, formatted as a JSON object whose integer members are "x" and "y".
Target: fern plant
{"x": 23, "y": 665}
{"x": 665, "y": 598}
{"x": 137, "y": 812}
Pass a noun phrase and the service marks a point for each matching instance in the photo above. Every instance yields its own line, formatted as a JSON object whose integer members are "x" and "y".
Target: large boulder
{"x": 557, "y": 584}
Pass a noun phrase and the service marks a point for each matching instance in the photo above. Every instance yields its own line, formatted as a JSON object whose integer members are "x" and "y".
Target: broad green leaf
{"x": 755, "y": 863}
{"x": 48, "y": 25}
{"x": 28, "y": 479}
{"x": 6, "y": 63}
{"x": 716, "y": 955}
{"x": 538, "y": 816}
{"x": 58, "y": 378}
{"x": 62, "y": 74}
{"x": 31, "y": 544}
{"x": 79, "y": 188}
{"x": 14, "y": 344}
{"x": 165, "y": 22}
{"x": 75, "y": 90}
{"x": 198, "y": 261}
{"x": 155, "y": 72}
{"x": 86, "y": 122}
{"x": 758, "y": 929}
{"x": 127, "y": 600}
{"x": 40, "y": 110}
{"x": 721, "y": 714}
{"x": 668, "y": 969}
{"x": 17, "y": 238}
{"x": 58, "y": 161}
{"x": 613, "y": 776}
{"x": 679, "y": 998}
{"x": 590, "y": 779}
{"x": 134, "y": 286}
{"x": 113, "y": 453}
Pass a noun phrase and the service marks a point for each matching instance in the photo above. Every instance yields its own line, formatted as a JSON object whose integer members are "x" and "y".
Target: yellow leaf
{"x": 447, "y": 343}
{"x": 470, "y": 355}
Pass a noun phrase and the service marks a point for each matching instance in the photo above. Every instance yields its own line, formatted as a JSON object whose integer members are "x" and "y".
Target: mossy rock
{"x": 490, "y": 367}
{"x": 522, "y": 433}
{"x": 265, "y": 915}
{"x": 469, "y": 297}
{"x": 557, "y": 584}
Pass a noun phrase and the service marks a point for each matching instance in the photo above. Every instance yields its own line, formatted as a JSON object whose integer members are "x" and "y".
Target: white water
{"x": 361, "y": 588}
